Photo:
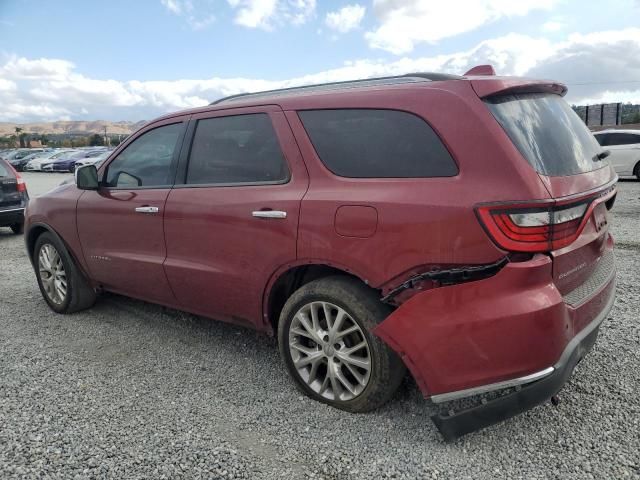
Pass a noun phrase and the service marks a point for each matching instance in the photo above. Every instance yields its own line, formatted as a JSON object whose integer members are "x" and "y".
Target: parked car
{"x": 67, "y": 163}
{"x": 97, "y": 160}
{"x": 21, "y": 164}
{"x": 4, "y": 154}
{"x": 36, "y": 163}
{"x": 455, "y": 226}
{"x": 624, "y": 146}
{"x": 16, "y": 159}
{"x": 13, "y": 198}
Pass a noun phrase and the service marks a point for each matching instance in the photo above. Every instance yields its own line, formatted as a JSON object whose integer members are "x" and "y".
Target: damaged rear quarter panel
{"x": 470, "y": 334}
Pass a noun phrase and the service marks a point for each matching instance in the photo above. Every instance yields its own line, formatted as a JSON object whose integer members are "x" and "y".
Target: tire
{"x": 18, "y": 228}
{"x": 334, "y": 358}
{"x": 78, "y": 294}
{"x": 636, "y": 170}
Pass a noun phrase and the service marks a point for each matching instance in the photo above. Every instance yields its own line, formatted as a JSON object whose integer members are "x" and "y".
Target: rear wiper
{"x": 602, "y": 155}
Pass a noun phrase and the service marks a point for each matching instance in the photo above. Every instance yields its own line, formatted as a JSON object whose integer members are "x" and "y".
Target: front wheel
{"x": 18, "y": 228}
{"x": 327, "y": 346}
{"x": 61, "y": 283}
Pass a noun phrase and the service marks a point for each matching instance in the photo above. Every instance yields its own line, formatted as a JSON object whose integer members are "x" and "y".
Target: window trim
{"x": 185, "y": 157}
{"x": 173, "y": 166}
{"x": 419, "y": 117}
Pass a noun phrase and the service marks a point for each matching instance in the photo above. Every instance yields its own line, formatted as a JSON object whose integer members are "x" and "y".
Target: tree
{"x": 21, "y": 135}
{"x": 96, "y": 141}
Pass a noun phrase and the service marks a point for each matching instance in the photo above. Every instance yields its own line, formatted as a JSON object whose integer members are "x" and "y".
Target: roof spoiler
{"x": 481, "y": 70}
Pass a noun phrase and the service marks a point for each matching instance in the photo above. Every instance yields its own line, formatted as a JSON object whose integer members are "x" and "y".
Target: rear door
{"x": 232, "y": 219}
{"x": 121, "y": 225}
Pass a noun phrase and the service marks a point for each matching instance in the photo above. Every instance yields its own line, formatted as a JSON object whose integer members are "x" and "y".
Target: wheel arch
{"x": 291, "y": 277}
{"x": 37, "y": 229}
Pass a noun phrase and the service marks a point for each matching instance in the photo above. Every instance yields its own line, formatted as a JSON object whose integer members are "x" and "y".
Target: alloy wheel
{"x": 52, "y": 274}
{"x": 329, "y": 351}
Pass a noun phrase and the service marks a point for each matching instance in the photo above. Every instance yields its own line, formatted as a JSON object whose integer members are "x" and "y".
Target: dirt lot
{"x": 132, "y": 390}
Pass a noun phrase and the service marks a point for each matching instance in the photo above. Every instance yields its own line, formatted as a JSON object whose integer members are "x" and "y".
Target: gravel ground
{"x": 133, "y": 390}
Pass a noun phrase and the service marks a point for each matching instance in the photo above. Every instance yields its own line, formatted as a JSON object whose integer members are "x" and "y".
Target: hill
{"x": 71, "y": 127}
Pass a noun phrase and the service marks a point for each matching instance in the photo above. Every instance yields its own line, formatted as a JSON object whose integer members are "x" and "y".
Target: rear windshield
{"x": 4, "y": 171}
{"x": 548, "y": 133}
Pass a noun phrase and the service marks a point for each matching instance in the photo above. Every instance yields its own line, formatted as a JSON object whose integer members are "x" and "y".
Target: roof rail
{"x": 368, "y": 82}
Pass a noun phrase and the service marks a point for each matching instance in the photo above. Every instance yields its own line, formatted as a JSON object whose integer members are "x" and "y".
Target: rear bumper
{"x": 530, "y": 395}
{"x": 511, "y": 329}
{"x": 10, "y": 216}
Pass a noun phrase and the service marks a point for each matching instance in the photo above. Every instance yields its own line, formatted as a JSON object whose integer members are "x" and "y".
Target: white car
{"x": 45, "y": 157}
{"x": 624, "y": 146}
{"x": 97, "y": 161}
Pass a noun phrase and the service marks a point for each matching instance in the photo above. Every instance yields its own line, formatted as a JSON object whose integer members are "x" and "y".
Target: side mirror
{"x": 87, "y": 177}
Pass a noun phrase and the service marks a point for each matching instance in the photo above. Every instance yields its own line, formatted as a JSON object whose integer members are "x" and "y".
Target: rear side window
{"x": 366, "y": 143}
{"x": 236, "y": 149}
{"x": 621, "y": 139}
{"x": 547, "y": 132}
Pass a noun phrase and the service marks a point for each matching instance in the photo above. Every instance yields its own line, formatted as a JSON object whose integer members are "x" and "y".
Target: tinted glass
{"x": 602, "y": 139}
{"x": 4, "y": 170}
{"x": 623, "y": 139}
{"x": 363, "y": 143}
{"x": 236, "y": 149}
{"x": 548, "y": 133}
{"x": 146, "y": 162}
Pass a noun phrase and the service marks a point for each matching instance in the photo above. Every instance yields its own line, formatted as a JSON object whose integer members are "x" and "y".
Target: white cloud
{"x": 7, "y": 85}
{"x": 267, "y": 14}
{"x": 345, "y": 19}
{"x": 177, "y": 6}
{"x": 198, "y": 17}
{"x": 591, "y": 64}
{"x": 553, "y": 26}
{"x": 405, "y": 23}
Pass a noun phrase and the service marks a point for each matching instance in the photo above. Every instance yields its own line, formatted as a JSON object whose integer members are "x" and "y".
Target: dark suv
{"x": 453, "y": 226}
{"x": 13, "y": 198}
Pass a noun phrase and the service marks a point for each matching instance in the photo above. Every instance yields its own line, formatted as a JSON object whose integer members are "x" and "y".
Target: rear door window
{"x": 602, "y": 139}
{"x": 238, "y": 149}
{"x": 368, "y": 143}
{"x": 622, "y": 139}
{"x": 547, "y": 132}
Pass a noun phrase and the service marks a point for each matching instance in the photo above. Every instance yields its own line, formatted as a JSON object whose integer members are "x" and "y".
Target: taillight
{"x": 22, "y": 187}
{"x": 533, "y": 227}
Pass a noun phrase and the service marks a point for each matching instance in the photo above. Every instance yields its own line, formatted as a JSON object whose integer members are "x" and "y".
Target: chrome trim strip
{"x": 12, "y": 210}
{"x": 469, "y": 392}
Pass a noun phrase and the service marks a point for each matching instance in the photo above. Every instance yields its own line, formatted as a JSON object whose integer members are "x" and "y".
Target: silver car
{"x": 624, "y": 146}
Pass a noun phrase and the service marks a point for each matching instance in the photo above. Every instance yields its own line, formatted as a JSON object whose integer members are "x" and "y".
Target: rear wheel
{"x": 327, "y": 346}
{"x": 636, "y": 170}
{"x": 61, "y": 283}
{"x": 18, "y": 228}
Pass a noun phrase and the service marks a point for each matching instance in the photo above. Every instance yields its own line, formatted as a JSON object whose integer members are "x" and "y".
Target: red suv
{"x": 453, "y": 226}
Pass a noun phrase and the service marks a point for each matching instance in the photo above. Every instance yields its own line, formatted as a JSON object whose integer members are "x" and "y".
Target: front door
{"x": 233, "y": 221}
{"x": 120, "y": 224}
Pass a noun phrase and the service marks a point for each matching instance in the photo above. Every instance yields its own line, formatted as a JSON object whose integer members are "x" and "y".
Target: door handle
{"x": 147, "y": 209}
{"x": 269, "y": 214}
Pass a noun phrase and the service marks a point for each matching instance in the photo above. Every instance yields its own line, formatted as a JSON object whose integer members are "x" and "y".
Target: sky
{"x": 137, "y": 59}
